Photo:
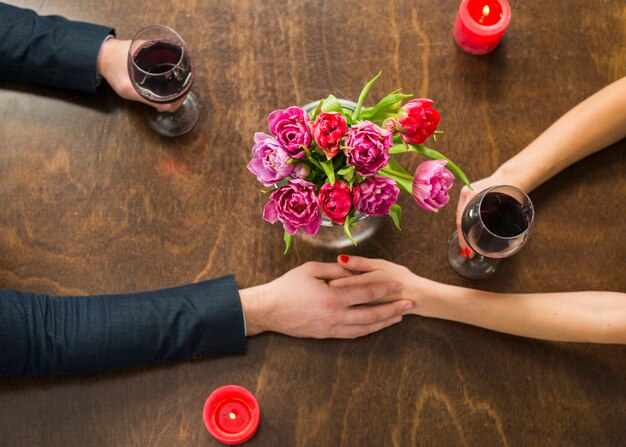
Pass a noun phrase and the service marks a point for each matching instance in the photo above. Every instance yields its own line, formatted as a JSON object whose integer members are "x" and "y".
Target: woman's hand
{"x": 421, "y": 292}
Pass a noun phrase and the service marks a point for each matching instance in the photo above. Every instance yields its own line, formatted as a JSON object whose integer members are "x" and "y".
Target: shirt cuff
{"x": 98, "y": 75}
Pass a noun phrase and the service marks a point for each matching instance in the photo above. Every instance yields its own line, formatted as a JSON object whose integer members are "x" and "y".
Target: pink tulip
{"x": 431, "y": 184}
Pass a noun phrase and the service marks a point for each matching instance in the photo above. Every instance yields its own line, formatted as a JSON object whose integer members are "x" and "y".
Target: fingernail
{"x": 397, "y": 287}
{"x": 408, "y": 305}
{"x": 344, "y": 259}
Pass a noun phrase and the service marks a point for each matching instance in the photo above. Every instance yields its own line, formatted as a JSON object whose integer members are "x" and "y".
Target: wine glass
{"x": 161, "y": 71}
{"x": 496, "y": 224}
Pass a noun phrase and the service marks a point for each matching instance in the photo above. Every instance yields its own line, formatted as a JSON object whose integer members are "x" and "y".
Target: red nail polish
{"x": 344, "y": 258}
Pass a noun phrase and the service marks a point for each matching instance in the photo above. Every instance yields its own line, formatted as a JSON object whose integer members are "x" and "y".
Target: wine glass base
{"x": 476, "y": 268}
{"x": 175, "y": 124}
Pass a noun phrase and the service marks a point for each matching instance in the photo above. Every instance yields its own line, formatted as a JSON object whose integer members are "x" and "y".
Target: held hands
{"x": 112, "y": 65}
{"x": 301, "y": 303}
{"x": 421, "y": 292}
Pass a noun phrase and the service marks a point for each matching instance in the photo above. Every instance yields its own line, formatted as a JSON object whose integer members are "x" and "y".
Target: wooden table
{"x": 94, "y": 202}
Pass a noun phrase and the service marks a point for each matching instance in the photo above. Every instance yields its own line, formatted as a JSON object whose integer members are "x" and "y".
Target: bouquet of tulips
{"x": 336, "y": 163}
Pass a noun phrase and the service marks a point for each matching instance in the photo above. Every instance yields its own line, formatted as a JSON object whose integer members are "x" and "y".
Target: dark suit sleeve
{"x": 42, "y": 334}
{"x": 49, "y": 50}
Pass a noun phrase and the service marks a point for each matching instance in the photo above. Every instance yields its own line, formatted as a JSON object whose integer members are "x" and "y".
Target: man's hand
{"x": 112, "y": 65}
{"x": 302, "y": 304}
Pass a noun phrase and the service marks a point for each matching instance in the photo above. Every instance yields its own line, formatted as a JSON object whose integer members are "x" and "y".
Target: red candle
{"x": 231, "y": 414}
{"x": 480, "y": 24}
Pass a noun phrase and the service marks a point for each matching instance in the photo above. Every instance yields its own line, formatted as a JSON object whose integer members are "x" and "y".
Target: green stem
{"x": 397, "y": 174}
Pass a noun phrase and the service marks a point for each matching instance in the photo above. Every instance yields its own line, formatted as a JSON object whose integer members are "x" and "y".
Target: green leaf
{"x": 331, "y": 104}
{"x": 314, "y": 162}
{"x": 431, "y": 153}
{"x": 398, "y": 149}
{"x": 394, "y": 171}
{"x": 317, "y": 150}
{"x": 338, "y": 161}
{"x": 363, "y": 95}
{"x": 315, "y": 113}
{"x": 346, "y": 228}
{"x": 347, "y": 173}
{"x": 346, "y": 170}
{"x": 288, "y": 238}
{"x": 389, "y": 104}
{"x": 316, "y": 175}
{"x": 395, "y": 212}
{"x": 395, "y": 166}
{"x": 402, "y": 182}
{"x": 327, "y": 166}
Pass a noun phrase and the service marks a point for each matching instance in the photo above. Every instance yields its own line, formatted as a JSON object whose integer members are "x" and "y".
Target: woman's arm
{"x": 594, "y": 124}
{"x": 597, "y": 317}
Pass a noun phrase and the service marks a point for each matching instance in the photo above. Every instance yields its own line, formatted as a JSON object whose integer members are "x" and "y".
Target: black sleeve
{"x": 49, "y": 50}
{"x": 69, "y": 334}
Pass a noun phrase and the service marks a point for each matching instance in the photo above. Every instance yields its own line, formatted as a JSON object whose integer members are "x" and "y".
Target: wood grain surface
{"x": 92, "y": 201}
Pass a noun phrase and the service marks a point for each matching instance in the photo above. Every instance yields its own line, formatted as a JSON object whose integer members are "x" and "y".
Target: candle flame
{"x": 232, "y": 415}
{"x": 486, "y": 11}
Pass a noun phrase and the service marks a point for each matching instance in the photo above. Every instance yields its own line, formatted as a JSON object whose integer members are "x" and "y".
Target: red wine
{"x": 162, "y": 71}
{"x": 503, "y": 215}
{"x": 496, "y": 224}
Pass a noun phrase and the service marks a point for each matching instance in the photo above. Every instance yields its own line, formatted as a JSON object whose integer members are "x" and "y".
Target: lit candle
{"x": 231, "y": 414}
{"x": 480, "y": 24}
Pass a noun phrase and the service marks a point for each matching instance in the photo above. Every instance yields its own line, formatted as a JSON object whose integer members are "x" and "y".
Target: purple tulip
{"x": 300, "y": 170}
{"x": 368, "y": 148}
{"x": 431, "y": 184}
{"x": 378, "y": 195}
{"x": 296, "y": 205}
{"x": 269, "y": 160}
{"x": 291, "y": 129}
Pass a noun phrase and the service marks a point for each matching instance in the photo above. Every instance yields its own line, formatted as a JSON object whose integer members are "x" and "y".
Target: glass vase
{"x": 332, "y": 236}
